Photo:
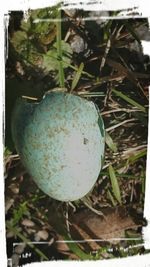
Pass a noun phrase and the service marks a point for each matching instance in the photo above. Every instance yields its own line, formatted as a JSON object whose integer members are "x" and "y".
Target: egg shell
{"x": 60, "y": 141}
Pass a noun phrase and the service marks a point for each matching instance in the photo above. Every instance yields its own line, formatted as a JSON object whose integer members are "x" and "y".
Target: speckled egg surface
{"x": 60, "y": 141}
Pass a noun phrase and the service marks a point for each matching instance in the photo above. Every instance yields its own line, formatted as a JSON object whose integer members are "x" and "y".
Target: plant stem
{"x": 59, "y": 50}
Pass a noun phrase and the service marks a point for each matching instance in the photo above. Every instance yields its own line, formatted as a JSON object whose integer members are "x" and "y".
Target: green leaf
{"x": 111, "y": 198}
{"x": 77, "y": 76}
{"x": 19, "y": 40}
{"x": 51, "y": 61}
{"x": 26, "y": 25}
{"x": 7, "y": 152}
{"x": 110, "y": 143}
{"x": 129, "y": 100}
{"x": 41, "y": 28}
{"x": 45, "y": 13}
{"x": 40, "y": 25}
{"x": 114, "y": 183}
{"x": 18, "y": 213}
{"x": 25, "y": 48}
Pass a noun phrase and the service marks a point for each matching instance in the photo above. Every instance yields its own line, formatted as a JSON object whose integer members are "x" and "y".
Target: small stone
{"x": 143, "y": 32}
{"x": 78, "y": 45}
{"x": 28, "y": 223}
{"x": 43, "y": 234}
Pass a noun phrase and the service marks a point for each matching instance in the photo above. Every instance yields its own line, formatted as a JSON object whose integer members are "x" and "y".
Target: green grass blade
{"x": 114, "y": 183}
{"x": 138, "y": 155}
{"x": 77, "y": 250}
{"x": 77, "y": 76}
{"x": 59, "y": 51}
{"x": 129, "y": 100}
{"x": 91, "y": 94}
{"x": 111, "y": 198}
{"x": 19, "y": 212}
{"x": 110, "y": 142}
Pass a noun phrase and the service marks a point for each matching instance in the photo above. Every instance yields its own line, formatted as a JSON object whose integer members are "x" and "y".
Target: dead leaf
{"x": 88, "y": 225}
{"x": 61, "y": 246}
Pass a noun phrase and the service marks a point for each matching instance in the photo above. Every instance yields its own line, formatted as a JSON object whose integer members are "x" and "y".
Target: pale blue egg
{"x": 60, "y": 141}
